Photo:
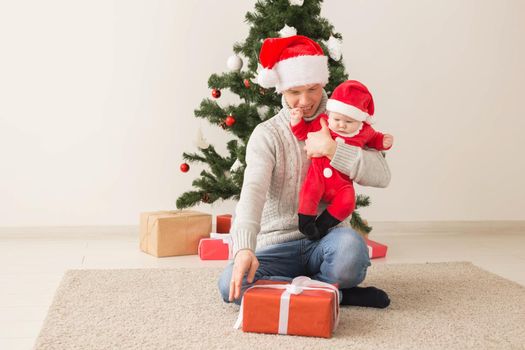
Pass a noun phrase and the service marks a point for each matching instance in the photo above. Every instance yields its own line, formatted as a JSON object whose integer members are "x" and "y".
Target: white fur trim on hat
{"x": 348, "y": 110}
{"x": 301, "y": 70}
{"x": 267, "y": 78}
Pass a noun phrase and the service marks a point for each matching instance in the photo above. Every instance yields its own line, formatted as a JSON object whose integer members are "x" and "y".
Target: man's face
{"x": 307, "y": 97}
{"x": 342, "y": 124}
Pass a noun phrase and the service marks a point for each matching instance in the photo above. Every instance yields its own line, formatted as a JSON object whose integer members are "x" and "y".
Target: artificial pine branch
{"x": 210, "y": 110}
{"x": 210, "y": 156}
{"x": 189, "y": 199}
{"x": 193, "y": 157}
{"x": 358, "y": 224}
{"x": 362, "y": 201}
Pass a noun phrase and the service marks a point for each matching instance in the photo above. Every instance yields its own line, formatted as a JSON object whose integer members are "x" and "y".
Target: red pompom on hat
{"x": 352, "y": 99}
{"x": 292, "y": 61}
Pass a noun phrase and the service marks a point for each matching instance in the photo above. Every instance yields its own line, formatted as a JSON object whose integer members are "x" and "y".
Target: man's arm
{"x": 260, "y": 161}
{"x": 367, "y": 167}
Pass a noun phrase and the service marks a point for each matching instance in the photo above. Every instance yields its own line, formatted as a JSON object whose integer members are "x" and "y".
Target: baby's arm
{"x": 296, "y": 115}
{"x": 380, "y": 141}
{"x": 299, "y": 126}
{"x": 388, "y": 141}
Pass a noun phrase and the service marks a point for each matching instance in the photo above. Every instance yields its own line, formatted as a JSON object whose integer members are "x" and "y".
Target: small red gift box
{"x": 215, "y": 248}
{"x": 224, "y": 223}
{"x": 376, "y": 250}
{"x": 303, "y": 307}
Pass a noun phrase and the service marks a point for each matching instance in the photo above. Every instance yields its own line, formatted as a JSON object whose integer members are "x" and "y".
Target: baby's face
{"x": 342, "y": 124}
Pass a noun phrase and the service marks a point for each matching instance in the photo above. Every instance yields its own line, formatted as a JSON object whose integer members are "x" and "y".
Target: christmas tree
{"x": 270, "y": 18}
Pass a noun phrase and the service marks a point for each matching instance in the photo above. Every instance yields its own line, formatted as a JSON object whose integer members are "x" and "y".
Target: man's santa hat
{"x": 352, "y": 99}
{"x": 290, "y": 62}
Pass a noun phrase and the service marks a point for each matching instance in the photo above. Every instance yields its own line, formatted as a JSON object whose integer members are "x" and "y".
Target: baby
{"x": 350, "y": 109}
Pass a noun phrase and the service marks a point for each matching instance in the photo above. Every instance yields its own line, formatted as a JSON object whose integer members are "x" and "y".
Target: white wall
{"x": 97, "y": 100}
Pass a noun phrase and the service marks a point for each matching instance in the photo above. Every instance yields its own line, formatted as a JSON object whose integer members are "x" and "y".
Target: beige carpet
{"x": 434, "y": 306}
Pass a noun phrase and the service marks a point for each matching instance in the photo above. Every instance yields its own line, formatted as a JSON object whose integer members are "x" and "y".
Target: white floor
{"x": 33, "y": 260}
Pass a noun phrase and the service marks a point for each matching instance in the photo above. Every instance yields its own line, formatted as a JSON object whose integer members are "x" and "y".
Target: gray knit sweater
{"x": 276, "y": 166}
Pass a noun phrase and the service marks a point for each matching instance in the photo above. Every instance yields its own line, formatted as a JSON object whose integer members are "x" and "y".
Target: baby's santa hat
{"x": 352, "y": 99}
{"x": 293, "y": 61}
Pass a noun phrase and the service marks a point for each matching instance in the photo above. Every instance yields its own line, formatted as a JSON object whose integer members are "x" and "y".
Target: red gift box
{"x": 214, "y": 249}
{"x": 376, "y": 250}
{"x": 224, "y": 223}
{"x": 303, "y": 307}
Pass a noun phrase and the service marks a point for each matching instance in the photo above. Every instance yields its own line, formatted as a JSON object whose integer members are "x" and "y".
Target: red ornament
{"x": 230, "y": 120}
{"x": 184, "y": 167}
{"x": 247, "y": 83}
{"x": 216, "y": 93}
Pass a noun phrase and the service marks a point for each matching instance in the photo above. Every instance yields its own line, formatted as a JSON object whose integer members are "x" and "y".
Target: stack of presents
{"x": 185, "y": 232}
{"x": 267, "y": 306}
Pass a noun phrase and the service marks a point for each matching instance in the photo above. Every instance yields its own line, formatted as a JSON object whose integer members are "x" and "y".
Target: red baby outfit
{"x": 322, "y": 181}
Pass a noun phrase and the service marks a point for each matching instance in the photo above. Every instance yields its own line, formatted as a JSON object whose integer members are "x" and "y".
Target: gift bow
{"x": 297, "y": 286}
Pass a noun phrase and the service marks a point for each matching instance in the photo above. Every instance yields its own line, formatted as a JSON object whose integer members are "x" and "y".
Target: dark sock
{"x": 307, "y": 227}
{"x": 324, "y": 222}
{"x": 368, "y": 297}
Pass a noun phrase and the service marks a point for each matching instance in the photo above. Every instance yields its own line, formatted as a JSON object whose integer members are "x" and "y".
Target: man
{"x": 276, "y": 164}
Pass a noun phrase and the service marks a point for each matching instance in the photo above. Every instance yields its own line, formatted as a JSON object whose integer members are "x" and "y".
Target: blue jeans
{"x": 339, "y": 257}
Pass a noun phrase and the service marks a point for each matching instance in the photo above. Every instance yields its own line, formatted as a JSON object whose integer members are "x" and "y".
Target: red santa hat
{"x": 352, "y": 99}
{"x": 292, "y": 61}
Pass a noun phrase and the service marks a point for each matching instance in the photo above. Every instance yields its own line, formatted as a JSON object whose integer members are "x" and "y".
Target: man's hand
{"x": 296, "y": 114}
{"x": 245, "y": 262}
{"x": 388, "y": 141}
{"x": 320, "y": 143}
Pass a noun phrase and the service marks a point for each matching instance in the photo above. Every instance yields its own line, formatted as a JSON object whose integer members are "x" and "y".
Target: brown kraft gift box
{"x": 170, "y": 233}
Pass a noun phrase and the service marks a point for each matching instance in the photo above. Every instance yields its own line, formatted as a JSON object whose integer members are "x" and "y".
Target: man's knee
{"x": 348, "y": 276}
{"x": 348, "y": 256}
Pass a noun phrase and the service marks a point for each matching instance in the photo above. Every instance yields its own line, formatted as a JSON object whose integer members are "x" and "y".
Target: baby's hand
{"x": 388, "y": 141}
{"x": 296, "y": 114}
